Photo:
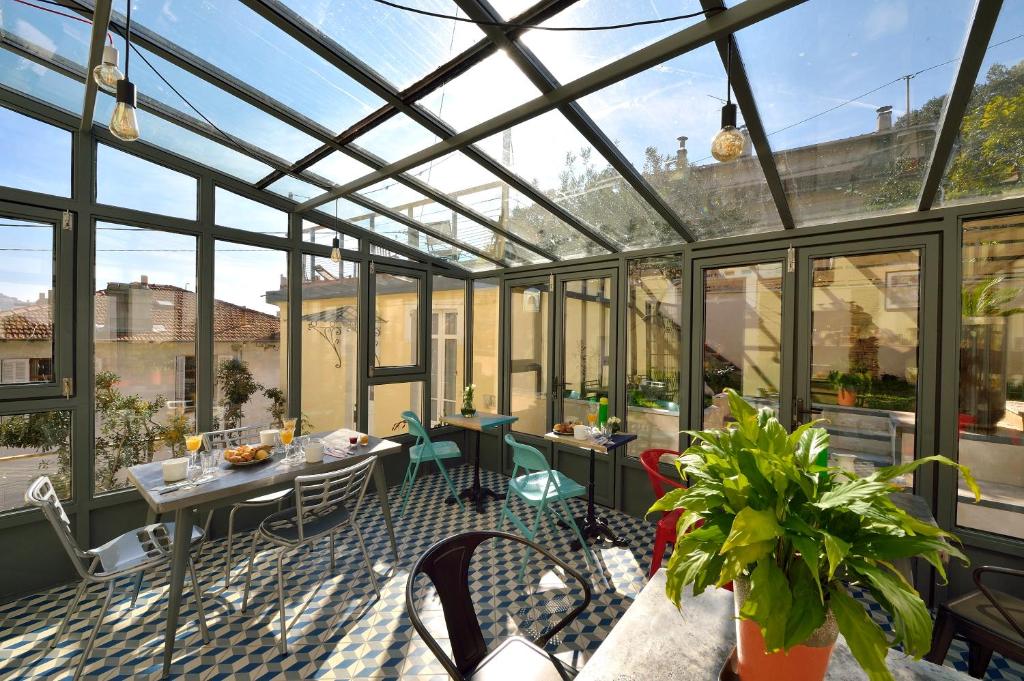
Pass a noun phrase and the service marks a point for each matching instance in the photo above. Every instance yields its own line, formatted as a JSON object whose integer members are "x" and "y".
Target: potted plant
{"x": 467, "y": 400}
{"x": 762, "y": 512}
{"x": 846, "y": 386}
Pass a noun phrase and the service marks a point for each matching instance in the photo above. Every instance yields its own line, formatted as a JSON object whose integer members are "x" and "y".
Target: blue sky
{"x": 801, "y": 63}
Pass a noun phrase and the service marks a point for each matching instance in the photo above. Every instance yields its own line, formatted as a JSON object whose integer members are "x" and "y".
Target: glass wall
{"x": 131, "y": 182}
{"x": 447, "y": 346}
{"x": 250, "y": 316}
{"x": 992, "y": 375}
{"x": 654, "y": 328}
{"x": 397, "y": 302}
{"x": 528, "y": 380}
{"x": 486, "y": 332}
{"x": 144, "y": 348}
{"x": 232, "y": 210}
{"x": 386, "y": 404}
{"x": 587, "y": 319}
{"x": 38, "y": 156}
{"x": 34, "y": 444}
{"x": 329, "y": 344}
{"x": 742, "y": 337}
{"x": 27, "y": 279}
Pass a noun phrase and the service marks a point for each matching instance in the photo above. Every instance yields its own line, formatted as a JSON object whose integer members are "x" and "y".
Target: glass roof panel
{"x": 822, "y": 98}
{"x": 339, "y": 168}
{"x": 552, "y": 155}
{"x": 986, "y": 163}
{"x": 295, "y": 189}
{"x": 234, "y": 210}
{"x": 396, "y": 138}
{"x": 491, "y": 87}
{"x": 187, "y": 144}
{"x": 27, "y": 77}
{"x": 237, "y": 40}
{"x": 225, "y": 111}
{"x": 647, "y": 114}
{"x": 56, "y": 36}
{"x": 570, "y": 54}
{"x": 401, "y": 46}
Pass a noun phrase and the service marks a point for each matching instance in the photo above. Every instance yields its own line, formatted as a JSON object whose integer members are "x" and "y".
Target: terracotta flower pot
{"x": 846, "y": 397}
{"x": 805, "y": 662}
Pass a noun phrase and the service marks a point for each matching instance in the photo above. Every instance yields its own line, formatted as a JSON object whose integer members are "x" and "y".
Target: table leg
{"x": 475, "y": 493}
{"x": 182, "y": 546}
{"x": 381, "y": 483}
{"x": 591, "y": 525}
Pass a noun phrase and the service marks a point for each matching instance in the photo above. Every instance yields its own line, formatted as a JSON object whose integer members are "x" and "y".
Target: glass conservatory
{"x": 413, "y": 274}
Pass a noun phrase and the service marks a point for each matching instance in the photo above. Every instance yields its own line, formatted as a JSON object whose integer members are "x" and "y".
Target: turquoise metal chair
{"x": 425, "y": 450}
{"x": 543, "y": 489}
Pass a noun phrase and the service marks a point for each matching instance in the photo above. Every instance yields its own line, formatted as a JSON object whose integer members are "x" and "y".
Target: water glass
{"x": 211, "y": 460}
{"x": 195, "y": 469}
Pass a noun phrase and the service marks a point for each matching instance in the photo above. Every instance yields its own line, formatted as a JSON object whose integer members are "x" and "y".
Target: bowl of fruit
{"x": 247, "y": 455}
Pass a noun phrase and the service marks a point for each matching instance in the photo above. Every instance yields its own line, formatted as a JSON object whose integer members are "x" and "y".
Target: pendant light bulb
{"x": 336, "y": 250}
{"x": 729, "y": 142}
{"x": 123, "y": 124}
{"x": 107, "y": 73}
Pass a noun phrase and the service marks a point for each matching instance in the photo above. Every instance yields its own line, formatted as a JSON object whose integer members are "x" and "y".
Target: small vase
{"x": 846, "y": 397}
{"x": 468, "y": 410}
{"x": 805, "y": 662}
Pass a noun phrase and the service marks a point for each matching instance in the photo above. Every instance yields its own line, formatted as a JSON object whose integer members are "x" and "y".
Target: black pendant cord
{"x": 128, "y": 40}
{"x": 728, "y": 71}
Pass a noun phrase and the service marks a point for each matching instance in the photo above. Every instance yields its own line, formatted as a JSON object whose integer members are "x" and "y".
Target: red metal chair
{"x": 665, "y": 533}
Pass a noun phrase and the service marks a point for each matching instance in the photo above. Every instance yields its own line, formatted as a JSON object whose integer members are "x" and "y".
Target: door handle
{"x": 801, "y": 411}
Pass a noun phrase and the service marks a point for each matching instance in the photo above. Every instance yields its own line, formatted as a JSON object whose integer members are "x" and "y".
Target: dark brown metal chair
{"x": 990, "y": 620}
{"x": 446, "y": 563}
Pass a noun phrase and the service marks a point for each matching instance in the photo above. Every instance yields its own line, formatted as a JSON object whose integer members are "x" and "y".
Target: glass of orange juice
{"x": 287, "y": 436}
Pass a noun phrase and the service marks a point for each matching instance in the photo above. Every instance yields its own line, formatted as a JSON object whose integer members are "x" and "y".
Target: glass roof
{"x": 849, "y": 96}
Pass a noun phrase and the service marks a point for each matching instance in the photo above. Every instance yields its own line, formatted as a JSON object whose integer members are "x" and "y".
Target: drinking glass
{"x": 194, "y": 471}
{"x": 194, "y": 442}
{"x": 287, "y": 435}
{"x": 210, "y": 459}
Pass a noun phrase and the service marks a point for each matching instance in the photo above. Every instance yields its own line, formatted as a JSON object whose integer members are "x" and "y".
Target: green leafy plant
{"x": 847, "y": 381}
{"x": 237, "y": 387}
{"x": 988, "y": 299}
{"x": 759, "y": 507}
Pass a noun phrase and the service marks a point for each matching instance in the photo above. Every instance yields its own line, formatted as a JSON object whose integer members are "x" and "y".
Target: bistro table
{"x": 236, "y": 484}
{"x": 478, "y": 422}
{"x": 591, "y": 525}
{"x": 653, "y": 640}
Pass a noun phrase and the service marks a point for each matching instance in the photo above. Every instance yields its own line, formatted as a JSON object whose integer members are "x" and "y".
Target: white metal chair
{"x": 131, "y": 553}
{"x": 324, "y": 504}
{"x": 224, "y": 439}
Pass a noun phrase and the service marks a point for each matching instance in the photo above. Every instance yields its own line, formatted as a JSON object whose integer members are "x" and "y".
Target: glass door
{"x": 585, "y": 318}
{"x": 529, "y": 305}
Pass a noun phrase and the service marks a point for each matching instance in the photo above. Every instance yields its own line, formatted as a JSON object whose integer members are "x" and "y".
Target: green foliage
{"x": 126, "y": 432}
{"x": 237, "y": 387}
{"x": 46, "y": 432}
{"x": 800, "y": 532}
{"x": 848, "y": 381}
{"x": 988, "y": 299}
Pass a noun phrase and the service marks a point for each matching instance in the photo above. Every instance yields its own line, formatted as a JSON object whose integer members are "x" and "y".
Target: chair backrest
{"x": 232, "y": 437}
{"x": 447, "y": 563}
{"x": 42, "y": 495}
{"x": 525, "y": 456}
{"x": 323, "y": 492}
{"x": 650, "y": 460}
{"x": 1017, "y": 626}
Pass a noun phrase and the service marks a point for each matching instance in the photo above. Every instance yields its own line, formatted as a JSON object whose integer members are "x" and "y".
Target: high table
{"x": 237, "y": 484}
{"x": 653, "y": 640}
{"x": 478, "y": 422}
{"x": 591, "y": 525}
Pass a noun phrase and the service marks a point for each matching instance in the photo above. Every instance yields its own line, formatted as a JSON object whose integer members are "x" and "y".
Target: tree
{"x": 991, "y": 153}
{"x": 237, "y": 387}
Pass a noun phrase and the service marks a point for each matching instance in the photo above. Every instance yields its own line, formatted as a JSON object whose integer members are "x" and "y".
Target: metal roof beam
{"x": 100, "y": 18}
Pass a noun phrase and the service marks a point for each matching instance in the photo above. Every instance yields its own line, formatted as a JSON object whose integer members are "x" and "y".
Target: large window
{"x": 26, "y": 301}
{"x": 131, "y": 182}
{"x": 386, "y": 404}
{"x": 992, "y": 375}
{"x": 655, "y": 331}
{"x": 36, "y": 156}
{"x": 447, "y": 346}
{"x": 397, "y": 303}
{"x": 232, "y": 210}
{"x": 486, "y": 331}
{"x": 250, "y": 309}
{"x": 329, "y": 343}
{"x": 529, "y": 369}
{"x": 31, "y": 445}
{"x": 143, "y": 345}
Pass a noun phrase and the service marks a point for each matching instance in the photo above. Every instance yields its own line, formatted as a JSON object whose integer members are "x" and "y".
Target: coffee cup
{"x": 581, "y": 432}
{"x": 314, "y": 451}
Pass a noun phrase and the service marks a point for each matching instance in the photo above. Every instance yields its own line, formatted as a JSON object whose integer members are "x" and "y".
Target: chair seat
{"x": 531, "y": 487}
{"x": 442, "y": 450}
{"x": 138, "y": 546}
{"x": 517, "y": 659}
{"x": 283, "y": 525}
{"x": 271, "y": 498}
{"x": 977, "y": 609}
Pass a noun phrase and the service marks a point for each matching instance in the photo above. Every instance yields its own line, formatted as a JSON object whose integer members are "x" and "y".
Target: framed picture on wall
{"x": 902, "y": 289}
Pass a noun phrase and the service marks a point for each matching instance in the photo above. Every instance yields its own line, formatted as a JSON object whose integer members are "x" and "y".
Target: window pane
{"x": 448, "y": 314}
{"x": 397, "y": 322}
{"x": 144, "y": 348}
{"x": 131, "y": 182}
{"x": 986, "y": 163}
{"x": 250, "y": 287}
{"x": 486, "y": 327}
{"x": 396, "y": 138}
{"x": 401, "y": 46}
{"x": 320, "y": 234}
{"x": 23, "y": 75}
{"x": 339, "y": 168}
{"x": 32, "y": 445}
{"x": 823, "y": 99}
{"x": 57, "y": 36}
{"x": 992, "y": 376}
{"x": 529, "y": 370}
{"x": 586, "y": 335}
{"x": 27, "y": 281}
{"x": 294, "y": 189}
{"x": 36, "y": 157}
{"x": 654, "y": 323}
{"x": 386, "y": 404}
{"x": 330, "y": 328}
{"x": 232, "y": 210}
{"x": 742, "y": 337}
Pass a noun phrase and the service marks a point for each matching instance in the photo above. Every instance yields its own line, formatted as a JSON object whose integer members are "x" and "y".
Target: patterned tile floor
{"x": 346, "y": 632}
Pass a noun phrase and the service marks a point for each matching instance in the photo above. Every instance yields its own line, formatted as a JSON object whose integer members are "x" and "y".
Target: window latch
{"x": 791, "y": 259}
{"x": 66, "y": 221}
{"x": 67, "y": 387}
